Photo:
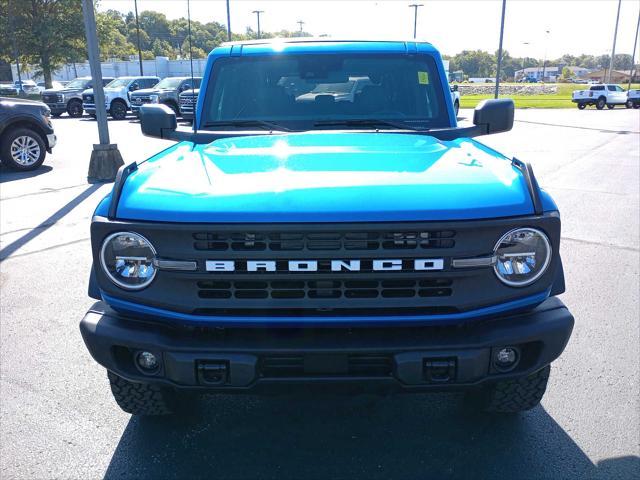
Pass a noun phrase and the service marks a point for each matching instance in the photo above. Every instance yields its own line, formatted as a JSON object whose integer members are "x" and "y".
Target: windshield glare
{"x": 169, "y": 83}
{"x": 297, "y": 91}
{"x": 77, "y": 83}
{"x": 119, "y": 82}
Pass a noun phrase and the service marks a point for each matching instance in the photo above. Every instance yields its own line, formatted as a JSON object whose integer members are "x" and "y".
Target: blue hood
{"x": 324, "y": 177}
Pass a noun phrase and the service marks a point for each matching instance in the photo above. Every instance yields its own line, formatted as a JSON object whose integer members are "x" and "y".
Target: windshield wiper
{"x": 248, "y": 123}
{"x": 366, "y": 122}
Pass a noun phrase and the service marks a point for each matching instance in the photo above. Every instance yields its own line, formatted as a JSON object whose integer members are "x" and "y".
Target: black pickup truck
{"x": 69, "y": 98}
{"x": 26, "y": 133}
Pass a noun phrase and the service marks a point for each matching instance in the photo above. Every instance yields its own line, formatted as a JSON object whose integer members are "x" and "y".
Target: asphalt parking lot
{"x": 58, "y": 419}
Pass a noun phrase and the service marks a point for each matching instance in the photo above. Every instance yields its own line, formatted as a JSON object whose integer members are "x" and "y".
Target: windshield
{"x": 169, "y": 83}
{"x": 77, "y": 83}
{"x": 306, "y": 91}
{"x": 119, "y": 82}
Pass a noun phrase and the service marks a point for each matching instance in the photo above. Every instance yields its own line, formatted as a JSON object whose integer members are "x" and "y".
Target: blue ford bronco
{"x": 326, "y": 225}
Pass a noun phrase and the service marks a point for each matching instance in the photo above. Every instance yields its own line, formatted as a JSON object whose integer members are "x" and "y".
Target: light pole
{"x": 415, "y": 7}
{"x": 544, "y": 62}
{"x": 504, "y": 7}
{"x": 228, "y": 22}
{"x": 633, "y": 56}
{"x": 301, "y": 23}
{"x": 613, "y": 50}
{"x": 258, "y": 12}
{"x": 524, "y": 59}
{"x": 135, "y": 6}
{"x": 105, "y": 157}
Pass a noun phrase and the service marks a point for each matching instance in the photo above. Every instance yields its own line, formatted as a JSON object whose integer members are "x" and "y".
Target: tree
{"x": 566, "y": 73}
{"x": 48, "y": 32}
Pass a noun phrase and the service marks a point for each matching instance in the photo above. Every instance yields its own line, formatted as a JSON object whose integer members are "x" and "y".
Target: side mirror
{"x": 494, "y": 116}
{"x": 133, "y": 87}
{"x": 158, "y": 121}
{"x": 185, "y": 87}
{"x": 454, "y": 88}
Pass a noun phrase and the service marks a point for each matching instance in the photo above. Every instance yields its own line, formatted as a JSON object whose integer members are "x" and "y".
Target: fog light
{"x": 506, "y": 358}
{"x": 147, "y": 361}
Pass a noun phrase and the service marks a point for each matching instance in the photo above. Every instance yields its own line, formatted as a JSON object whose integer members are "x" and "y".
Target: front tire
{"x": 456, "y": 108}
{"x": 23, "y": 149}
{"x": 512, "y": 396}
{"x": 74, "y": 109}
{"x": 629, "y": 104}
{"x": 141, "y": 398}
{"x": 582, "y": 106}
{"x": 610, "y": 106}
{"x": 118, "y": 110}
{"x": 601, "y": 103}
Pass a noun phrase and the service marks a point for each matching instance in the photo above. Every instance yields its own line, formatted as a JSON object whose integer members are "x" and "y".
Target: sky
{"x": 574, "y": 26}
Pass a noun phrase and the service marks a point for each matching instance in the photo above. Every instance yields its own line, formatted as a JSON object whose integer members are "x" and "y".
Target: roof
{"x": 281, "y": 40}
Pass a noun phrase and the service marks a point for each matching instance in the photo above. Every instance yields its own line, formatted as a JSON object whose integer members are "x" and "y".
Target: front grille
{"x": 324, "y": 241}
{"x": 51, "y": 99}
{"x": 188, "y": 100}
{"x": 354, "y": 365}
{"x": 291, "y": 289}
{"x": 139, "y": 100}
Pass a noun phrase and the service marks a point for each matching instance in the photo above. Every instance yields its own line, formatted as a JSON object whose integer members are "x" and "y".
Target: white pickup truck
{"x": 455, "y": 98}
{"x": 600, "y": 95}
{"x": 633, "y": 98}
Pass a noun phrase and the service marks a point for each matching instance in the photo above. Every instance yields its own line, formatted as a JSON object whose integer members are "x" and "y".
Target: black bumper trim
{"x": 112, "y": 340}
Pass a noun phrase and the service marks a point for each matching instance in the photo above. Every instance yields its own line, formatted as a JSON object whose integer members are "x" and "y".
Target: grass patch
{"x": 560, "y": 99}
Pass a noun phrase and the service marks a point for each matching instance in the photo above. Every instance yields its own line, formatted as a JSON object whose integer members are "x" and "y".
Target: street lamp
{"x": 544, "y": 62}
{"x": 258, "y": 12}
{"x": 415, "y": 7}
{"x": 524, "y": 59}
{"x": 301, "y": 23}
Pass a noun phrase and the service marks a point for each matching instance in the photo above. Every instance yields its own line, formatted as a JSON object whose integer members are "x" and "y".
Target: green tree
{"x": 566, "y": 73}
{"x": 48, "y": 32}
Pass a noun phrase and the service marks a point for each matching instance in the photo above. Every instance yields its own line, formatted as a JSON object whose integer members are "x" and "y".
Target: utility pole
{"x": 415, "y": 7}
{"x": 544, "y": 62}
{"x": 228, "y": 22}
{"x": 105, "y": 157}
{"x": 258, "y": 12}
{"x": 135, "y": 3}
{"x": 301, "y": 23}
{"x": 613, "y": 50}
{"x": 524, "y": 59}
{"x": 504, "y": 7}
{"x": 633, "y": 56}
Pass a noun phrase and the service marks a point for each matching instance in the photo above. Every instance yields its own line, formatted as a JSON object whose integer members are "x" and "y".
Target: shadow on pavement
{"x": 417, "y": 436}
{"x": 49, "y": 222}
{"x": 8, "y": 175}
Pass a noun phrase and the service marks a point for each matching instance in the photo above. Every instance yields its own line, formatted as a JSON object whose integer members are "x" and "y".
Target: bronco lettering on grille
{"x": 377, "y": 265}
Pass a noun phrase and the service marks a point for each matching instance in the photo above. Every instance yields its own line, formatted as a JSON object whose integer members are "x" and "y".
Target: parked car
{"x": 633, "y": 98}
{"x": 116, "y": 95}
{"x": 42, "y": 86}
{"x": 166, "y": 92}
{"x": 69, "y": 97}
{"x": 340, "y": 91}
{"x": 333, "y": 244}
{"x": 188, "y": 100}
{"x": 455, "y": 98}
{"x": 600, "y": 95}
{"x": 26, "y": 133}
{"x": 8, "y": 89}
{"x": 28, "y": 86}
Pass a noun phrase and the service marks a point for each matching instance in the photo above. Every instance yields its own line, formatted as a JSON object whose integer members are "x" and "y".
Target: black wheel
{"x": 601, "y": 103}
{"x": 74, "y": 108}
{"x": 610, "y": 106}
{"x": 582, "y": 106}
{"x": 173, "y": 107}
{"x": 93, "y": 115}
{"x": 141, "y": 398}
{"x": 118, "y": 110}
{"x": 22, "y": 149}
{"x": 636, "y": 105}
{"x": 56, "y": 115}
{"x": 512, "y": 396}
{"x": 456, "y": 107}
{"x": 629, "y": 104}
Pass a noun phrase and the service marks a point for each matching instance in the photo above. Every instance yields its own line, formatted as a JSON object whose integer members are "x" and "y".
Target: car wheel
{"x": 141, "y": 398}
{"x": 74, "y": 109}
{"x": 582, "y": 106}
{"x": 636, "y": 105}
{"x": 629, "y": 104}
{"x": 512, "y": 396}
{"x": 23, "y": 149}
{"x": 456, "y": 107}
{"x": 601, "y": 103}
{"x": 610, "y": 106}
{"x": 93, "y": 115}
{"x": 118, "y": 110}
{"x": 56, "y": 115}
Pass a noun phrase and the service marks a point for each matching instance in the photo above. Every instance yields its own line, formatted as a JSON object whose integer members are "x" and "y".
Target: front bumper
{"x": 397, "y": 358}
{"x": 58, "y": 107}
{"x": 52, "y": 140}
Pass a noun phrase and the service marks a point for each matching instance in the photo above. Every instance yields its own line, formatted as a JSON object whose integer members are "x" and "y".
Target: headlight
{"x": 522, "y": 256}
{"x": 60, "y": 98}
{"x": 153, "y": 98}
{"x": 127, "y": 259}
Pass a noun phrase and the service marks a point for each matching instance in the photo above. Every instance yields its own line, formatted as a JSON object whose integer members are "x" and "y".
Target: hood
{"x": 54, "y": 91}
{"x": 16, "y": 102}
{"x": 149, "y": 91}
{"x": 325, "y": 177}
